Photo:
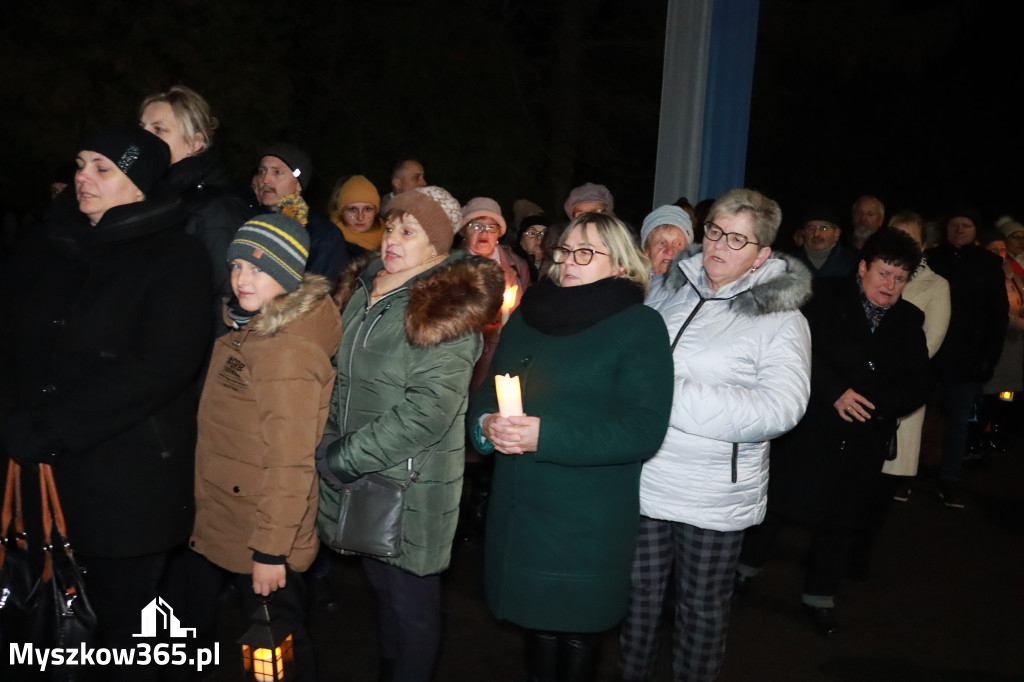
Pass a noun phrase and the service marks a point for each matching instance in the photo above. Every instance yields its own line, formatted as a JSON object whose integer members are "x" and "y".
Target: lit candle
{"x": 510, "y": 401}
{"x": 508, "y": 303}
{"x": 1006, "y": 396}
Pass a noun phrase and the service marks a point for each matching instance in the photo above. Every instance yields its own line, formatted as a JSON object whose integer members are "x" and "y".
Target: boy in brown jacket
{"x": 262, "y": 413}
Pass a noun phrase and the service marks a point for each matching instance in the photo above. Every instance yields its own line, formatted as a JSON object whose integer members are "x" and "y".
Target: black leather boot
{"x": 541, "y": 656}
{"x": 578, "y": 656}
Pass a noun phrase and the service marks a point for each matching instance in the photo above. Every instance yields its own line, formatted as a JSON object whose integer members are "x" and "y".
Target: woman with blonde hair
{"x": 182, "y": 118}
{"x": 596, "y": 378}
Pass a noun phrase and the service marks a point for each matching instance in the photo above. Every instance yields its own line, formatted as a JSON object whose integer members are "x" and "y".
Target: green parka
{"x": 595, "y": 367}
{"x": 404, "y": 366}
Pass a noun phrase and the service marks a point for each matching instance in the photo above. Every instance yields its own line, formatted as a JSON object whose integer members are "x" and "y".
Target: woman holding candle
{"x": 412, "y": 318}
{"x": 596, "y": 382}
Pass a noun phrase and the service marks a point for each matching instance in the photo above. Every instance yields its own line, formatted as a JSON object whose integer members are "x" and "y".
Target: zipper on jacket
{"x": 352, "y": 350}
{"x": 735, "y": 458}
{"x": 374, "y": 323}
{"x": 693, "y": 313}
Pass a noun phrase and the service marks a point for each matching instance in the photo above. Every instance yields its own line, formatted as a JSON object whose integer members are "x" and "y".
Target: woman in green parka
{"x": 411, "y": 319}
{"x": 596, "y": 376}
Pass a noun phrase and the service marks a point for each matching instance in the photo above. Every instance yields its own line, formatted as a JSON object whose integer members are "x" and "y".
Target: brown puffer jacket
{"x": 261, "y": 416}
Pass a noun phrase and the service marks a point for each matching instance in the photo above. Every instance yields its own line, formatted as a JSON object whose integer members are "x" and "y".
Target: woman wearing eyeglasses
{"x": 530, "y": 247}
{"x": 742, "y": 354}
{"x": 354, "y": 208}
{"x": 596, "y": 377}
{"x": 482, "y": 227}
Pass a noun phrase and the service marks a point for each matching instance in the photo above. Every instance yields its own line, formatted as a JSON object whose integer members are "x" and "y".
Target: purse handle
{"x": 12, "y": 511}
{"x": 53, "y": 515}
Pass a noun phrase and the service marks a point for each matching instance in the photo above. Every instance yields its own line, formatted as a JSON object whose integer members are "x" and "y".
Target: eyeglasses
{"x": 483, "y": 227}
{"x": 560, "y": 254}
{"x": 734, "y": 240}
{"x": 577, "y": 213}
{"x": 535, "y": 233}
{"x": 822, "y": 228}
{"x": 357, "y": 210}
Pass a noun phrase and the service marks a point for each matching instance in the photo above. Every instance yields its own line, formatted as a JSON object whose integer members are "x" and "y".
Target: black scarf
{"x": 563, "y": 311}
{"x": 239, "y": 315}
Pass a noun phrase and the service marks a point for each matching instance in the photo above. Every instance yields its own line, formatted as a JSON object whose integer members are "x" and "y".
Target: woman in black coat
{"x": 104, "y": 340}
{"x": 182, "y": 118}
{"x": 869, "y": 367}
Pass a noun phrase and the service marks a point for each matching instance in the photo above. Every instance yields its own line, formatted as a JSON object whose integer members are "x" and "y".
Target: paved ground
{"x": 945, "y": 604}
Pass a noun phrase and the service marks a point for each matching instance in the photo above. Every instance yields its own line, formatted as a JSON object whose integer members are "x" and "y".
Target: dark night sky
{"x": 915, "y": 101}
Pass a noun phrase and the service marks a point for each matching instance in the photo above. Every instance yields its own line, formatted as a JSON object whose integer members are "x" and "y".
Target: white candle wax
{"x": 510, "y": 400}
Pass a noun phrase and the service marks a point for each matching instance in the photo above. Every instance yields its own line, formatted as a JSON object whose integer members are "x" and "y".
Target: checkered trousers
{"x": 705, "y": 567}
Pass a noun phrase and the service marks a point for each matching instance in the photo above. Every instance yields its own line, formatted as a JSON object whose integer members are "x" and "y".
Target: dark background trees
{"x": 914, "y": 100}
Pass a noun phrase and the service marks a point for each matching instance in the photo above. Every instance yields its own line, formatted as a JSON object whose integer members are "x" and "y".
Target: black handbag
{"x": 370, "y": 514}
{"x": 370, "y": 517}
{"x": 46, "y": 606}
{"x": 19, "y": 581}
{"x": 69, "y": 619}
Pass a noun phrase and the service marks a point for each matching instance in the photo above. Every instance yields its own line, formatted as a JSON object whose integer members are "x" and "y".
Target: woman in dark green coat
{"x": 596, "y": 376}
{"x": 412, "y": 319}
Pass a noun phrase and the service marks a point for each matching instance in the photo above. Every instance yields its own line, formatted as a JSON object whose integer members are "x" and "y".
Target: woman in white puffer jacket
{"x": 742, "y": 354}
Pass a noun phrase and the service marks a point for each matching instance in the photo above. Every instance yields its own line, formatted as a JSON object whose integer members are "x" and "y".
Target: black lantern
{"x": 266, "y": 648}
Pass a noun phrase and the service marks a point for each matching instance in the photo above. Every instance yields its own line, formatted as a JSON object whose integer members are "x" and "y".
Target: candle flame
{"x": 509, "y": 298}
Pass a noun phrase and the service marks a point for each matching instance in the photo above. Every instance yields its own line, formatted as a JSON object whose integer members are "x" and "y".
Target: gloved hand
{"x": 329, "y": 463}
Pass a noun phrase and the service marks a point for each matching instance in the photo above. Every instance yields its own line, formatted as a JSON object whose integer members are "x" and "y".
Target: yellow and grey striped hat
{"x": 277, "y": 244}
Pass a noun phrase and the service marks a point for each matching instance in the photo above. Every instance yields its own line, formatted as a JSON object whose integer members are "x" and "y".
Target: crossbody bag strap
{"x": 414, "y": 475}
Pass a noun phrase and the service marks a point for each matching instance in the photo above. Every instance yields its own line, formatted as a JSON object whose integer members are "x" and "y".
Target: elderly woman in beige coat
{"x": 929, "y": 292}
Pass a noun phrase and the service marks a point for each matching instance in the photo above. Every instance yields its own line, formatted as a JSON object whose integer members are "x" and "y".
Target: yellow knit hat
{"x": 358, "y": 190}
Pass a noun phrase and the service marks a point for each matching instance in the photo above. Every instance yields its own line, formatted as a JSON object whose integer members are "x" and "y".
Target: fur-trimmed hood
{"x": 283, "y": 310}
{"x": 460, "y": 295}
{"x": 781, "y": 284}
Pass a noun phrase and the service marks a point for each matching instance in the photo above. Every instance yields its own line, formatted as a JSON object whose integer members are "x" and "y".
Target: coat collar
{"x": 458, "y": 296}
{"x": 781, "y": 284}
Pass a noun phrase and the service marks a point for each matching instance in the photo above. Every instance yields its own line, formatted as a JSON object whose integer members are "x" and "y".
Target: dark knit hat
{"x": 435, "y": 209}
{"x": 533, "y": 221}
{"x": 140, "y": 154}
{"x": 825, "y": 213}
{"x": 294, "y": 158}
{"x": 277, "y": 243}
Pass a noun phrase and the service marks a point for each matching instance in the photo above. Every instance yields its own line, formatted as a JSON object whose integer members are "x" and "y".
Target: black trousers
{"x": 826, "y": 562}
{"x": 562, "y": 656}
{"x": 118, "y": 589}
{"x": 197, "y": 585}
{"x": 408, "y": 620}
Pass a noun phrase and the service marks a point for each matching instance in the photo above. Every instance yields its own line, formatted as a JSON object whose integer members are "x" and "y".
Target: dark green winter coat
{"x": 404, "y": 366}
{"x": 595, "y": 367}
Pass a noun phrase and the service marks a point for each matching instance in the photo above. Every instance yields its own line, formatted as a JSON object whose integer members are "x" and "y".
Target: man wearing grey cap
{"x": 286, "y": 169}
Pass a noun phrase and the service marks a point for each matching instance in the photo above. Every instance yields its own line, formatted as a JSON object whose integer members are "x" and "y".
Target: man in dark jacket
{"x": 977, "y": 328}
{"x": 822, "y": 251}
{"x": 285, "y": 169}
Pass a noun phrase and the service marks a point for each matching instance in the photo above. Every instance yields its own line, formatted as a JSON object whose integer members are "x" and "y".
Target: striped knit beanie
{"x": 278, "y": 244}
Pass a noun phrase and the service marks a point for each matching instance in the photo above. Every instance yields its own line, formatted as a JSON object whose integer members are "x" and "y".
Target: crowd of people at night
{"x": 207, "y": 364}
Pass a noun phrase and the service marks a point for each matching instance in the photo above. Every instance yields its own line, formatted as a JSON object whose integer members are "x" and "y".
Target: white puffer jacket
{"x": 742, "y": 377}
